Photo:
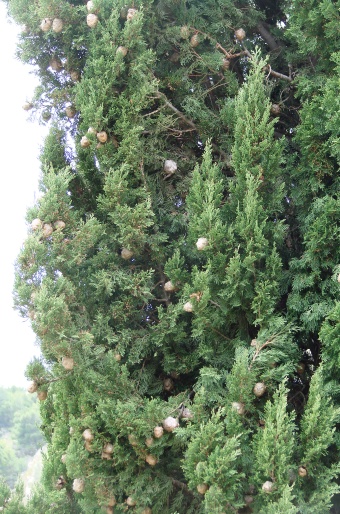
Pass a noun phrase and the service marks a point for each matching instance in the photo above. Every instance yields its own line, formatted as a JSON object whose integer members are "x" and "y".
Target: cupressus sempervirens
{"x": 181, "y": 266}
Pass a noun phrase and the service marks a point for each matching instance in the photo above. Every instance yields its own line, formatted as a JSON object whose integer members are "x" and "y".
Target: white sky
{"x": 20, "y": 142}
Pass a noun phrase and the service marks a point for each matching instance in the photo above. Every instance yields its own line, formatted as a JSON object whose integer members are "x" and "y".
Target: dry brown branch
{"x": 231, "y": 55}
{"x": 191, "y": 124}
{"x": 273, "y": 72}
{"x": 175, "y": 110}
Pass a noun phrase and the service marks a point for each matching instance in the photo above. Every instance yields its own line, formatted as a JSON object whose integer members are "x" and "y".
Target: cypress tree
{"x": 181, "y": 265}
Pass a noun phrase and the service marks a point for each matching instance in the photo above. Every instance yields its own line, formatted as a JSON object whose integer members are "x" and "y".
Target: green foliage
{"x": 5, "y": 493}
{"x": 316, "y": 423}
{"x": 284, "y": 504}
{"x": 330, "y": 337}
{"x": 183, "y": 259}
{"x": 12, "y": 501}
{"x": 274, "y": 444}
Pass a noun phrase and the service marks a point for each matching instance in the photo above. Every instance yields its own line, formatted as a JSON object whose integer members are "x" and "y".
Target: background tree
{"x": 181, "y": 267}
{"x": 20, "y": 435}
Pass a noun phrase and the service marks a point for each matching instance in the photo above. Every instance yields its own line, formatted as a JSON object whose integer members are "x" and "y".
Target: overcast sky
{"x": 20, "y": 142}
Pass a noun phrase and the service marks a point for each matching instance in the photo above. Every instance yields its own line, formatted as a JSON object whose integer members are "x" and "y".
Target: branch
{"x": 219, "y": 84}
{"x": 217, "y": 331}
{"x": 182, "y": 486}
{"x": 46, "y": 381}
{"x": 179, "y": 407}
{"x": 163, "y": 279}
{"x": 151, "y": 113}
{"x": 180, "y": 131}
{"x": 175, "y": 110}
{"x": 272, "y": 72}
{"x": 231, "y": 55}
{"x": 214, "y": 303}
{"x": 140, "y": 374}
{"x": 201, "y": 59}
{"x": 269, "y": 39}
{"x": 269, "y": 341}
{"x": 191, "y": 124}
{"x": 256, "y": 354}
{"x": 278, "y": 75}
{"x": 141, "y": 166}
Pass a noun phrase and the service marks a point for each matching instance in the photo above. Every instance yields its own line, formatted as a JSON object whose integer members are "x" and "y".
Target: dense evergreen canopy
{"x": 182, "y": 265}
